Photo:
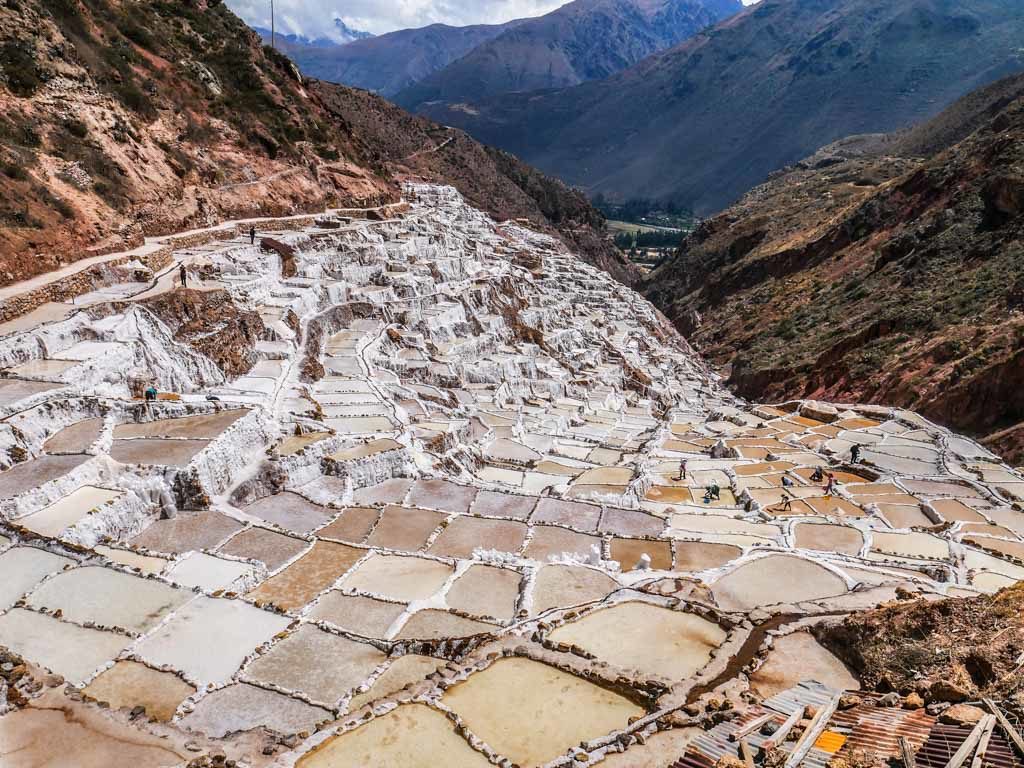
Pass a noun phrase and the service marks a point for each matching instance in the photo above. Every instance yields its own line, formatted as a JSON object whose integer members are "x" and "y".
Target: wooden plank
{"x": 750, "y": 727}
{"x": 816, "y": 727}
{"x": 1011, "y": 733}
{"x": 979, "y": 753}
{"x": 780, "y": 735}
{"x": 907, "y": 752}
{"x": 970, "y": 744}
{"x": 747, "y": 753}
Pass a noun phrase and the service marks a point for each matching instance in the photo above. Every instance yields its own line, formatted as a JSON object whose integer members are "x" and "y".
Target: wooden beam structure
{"x": 749, "y": 728}
{"x": 907, "y": 753}
{"x": 747, "y": 753}
{"x": 970, "y": 743}
{"x": 816, "y": 727}
{"x": 979, "y": 753}
{"x": 1011, "y": 733}
{"x": 780, "y": 735}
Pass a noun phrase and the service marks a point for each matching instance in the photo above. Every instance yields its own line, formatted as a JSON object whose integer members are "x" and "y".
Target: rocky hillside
{"x": 702, "y": 123}
{"x": 584, "y": 40}
{"x": 122, "y": 120}
{"x": 492, "y": 180}
{"x": 391, "y": 62}
{"x": 950, "y": 650}
{"x": 861, "y": 274}
{"x": 125, "y": 119}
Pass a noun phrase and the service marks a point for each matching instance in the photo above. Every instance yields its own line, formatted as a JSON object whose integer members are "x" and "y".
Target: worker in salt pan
{"x": 713, "y": 493}
{"x": 682, "y": 469}
{"x": 855, "y": 454}
{"x": 183, "y": 274}
{"x": 830, "y": 488}
{"x": 252, "y": 235}
{"x": 818, "y": 475}
{"x": 787, "y": 502}
{"x": 150, "y": 395}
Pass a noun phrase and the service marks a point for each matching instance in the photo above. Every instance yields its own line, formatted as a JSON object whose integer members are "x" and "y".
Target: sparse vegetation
{"x": 19, "y": 67}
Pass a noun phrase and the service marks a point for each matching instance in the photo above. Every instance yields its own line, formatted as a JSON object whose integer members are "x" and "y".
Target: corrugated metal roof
{"x": 877, "y": 729}
{"x": 711, "y": 745}
{"x": 945, "y": 740}
{"x": 809, "y": 693}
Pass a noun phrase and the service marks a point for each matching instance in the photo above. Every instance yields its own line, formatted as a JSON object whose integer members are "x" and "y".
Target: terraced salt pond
{"x": 129, "y": 684}
{"x": 531, "y": 713}
{"x": 413, "y": 735}
{"x": 71, "y": 509}
{"x": 474, "y": 514}
{"x": 71, "y": 651}
{"x": 655, "y": 640}
{"x": 84, "y": 595}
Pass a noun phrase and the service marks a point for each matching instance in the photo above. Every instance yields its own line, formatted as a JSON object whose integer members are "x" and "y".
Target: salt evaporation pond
{"x": 655, "y": 640}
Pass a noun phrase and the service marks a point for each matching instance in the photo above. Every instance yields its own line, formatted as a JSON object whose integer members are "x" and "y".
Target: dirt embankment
{"x": 212, "y": 324}
{"x": 949, "y": 650}
{"x": 492, "y": 180}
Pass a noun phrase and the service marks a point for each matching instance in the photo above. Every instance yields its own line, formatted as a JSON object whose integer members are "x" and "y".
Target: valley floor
{"x": 420, "y": 487}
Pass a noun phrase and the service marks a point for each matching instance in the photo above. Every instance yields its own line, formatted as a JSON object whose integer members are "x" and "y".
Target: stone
{"x": 944, "y": 690}
{"x": 962, "y": 714}
{"x": 849, "y": 701}
{"x": 913, "y": 701}
{"x": 728, "y": 761}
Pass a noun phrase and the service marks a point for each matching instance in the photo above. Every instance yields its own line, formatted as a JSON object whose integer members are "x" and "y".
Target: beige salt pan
{"x": 531, "y": 713}
{"x": 411, "y": 736}
{"x": 652, "y": 639}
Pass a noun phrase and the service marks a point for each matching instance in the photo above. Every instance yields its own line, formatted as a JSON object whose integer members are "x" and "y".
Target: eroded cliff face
{"x": 120, "y": 120}
{"x": 864, "y": 275}
{"x": 212, "y": 324}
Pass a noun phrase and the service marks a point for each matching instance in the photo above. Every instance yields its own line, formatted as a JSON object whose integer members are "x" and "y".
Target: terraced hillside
{"x": 120, "y": 120}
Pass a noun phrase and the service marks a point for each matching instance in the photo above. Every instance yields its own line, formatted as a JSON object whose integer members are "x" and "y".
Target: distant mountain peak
{"x": 345, "y": 33}
{"x": 341, "y": 34}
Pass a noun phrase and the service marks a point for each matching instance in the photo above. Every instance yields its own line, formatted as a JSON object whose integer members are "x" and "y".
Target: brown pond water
{"x": 308, "y": 576}
{"x": 129, "y": 684}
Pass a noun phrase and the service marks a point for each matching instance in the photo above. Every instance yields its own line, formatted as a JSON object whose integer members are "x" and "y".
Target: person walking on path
{"x": 682, "y": 469}
{"x": 830, "y": 489}
{"x": 183, "y": 274}
{"x": 252, "y": 235}
{"x": 855, "y": 453}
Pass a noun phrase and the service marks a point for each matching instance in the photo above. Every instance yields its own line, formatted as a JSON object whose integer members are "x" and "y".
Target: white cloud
{"x": 316, "y": 17}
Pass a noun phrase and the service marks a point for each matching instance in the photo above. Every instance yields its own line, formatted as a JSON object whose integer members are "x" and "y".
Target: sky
{"x": 315, "y": 18}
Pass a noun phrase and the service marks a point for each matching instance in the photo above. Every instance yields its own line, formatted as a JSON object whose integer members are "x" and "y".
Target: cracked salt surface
{"x": 465, "y": 459}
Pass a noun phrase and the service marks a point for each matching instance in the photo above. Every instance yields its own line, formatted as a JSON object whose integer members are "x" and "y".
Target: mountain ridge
{"x": 583, "y": 40}
{"x": 874, "y": 274}
{"x": 754, "y": 93}
{"x": 388, "y": 63}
